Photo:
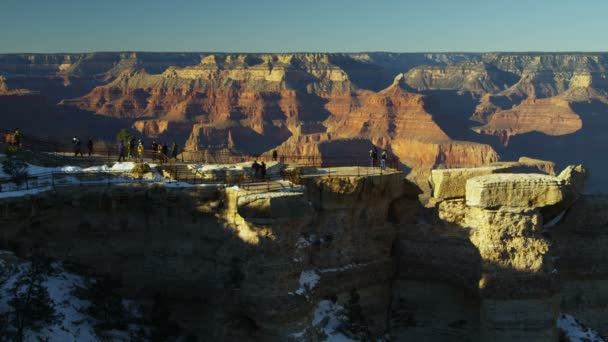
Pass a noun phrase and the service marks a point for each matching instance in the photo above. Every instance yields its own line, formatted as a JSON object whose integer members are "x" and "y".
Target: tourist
{"x": 90, "y": 146}
{"x": 121, "y": 151}
{"x": 78, "y": 147}
{"x": 154, "y": 149}
{"x": 263, "y": 170}
{"x": 131, "y": 147}
{"x": 383, "y": 160}
{"x": 17, "y": 137}
{"x": 165, "y": 152}
{"x": 174, "y": 150}
{"x": 140, "y": 151}
{"x": 274, "y": 155}
{"x": 256, "y": 169}
{"x": 75, "y": 145}
{"x": 373, "y": 155}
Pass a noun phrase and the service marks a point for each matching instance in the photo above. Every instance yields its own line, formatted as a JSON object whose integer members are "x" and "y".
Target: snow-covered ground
{"x": 328, "y": 318}
{"x": 576, "y": 331}
{"x": 75, "y": 324}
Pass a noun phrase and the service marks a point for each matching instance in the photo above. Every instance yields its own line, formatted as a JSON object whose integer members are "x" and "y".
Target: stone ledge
{"x": 514, "y": 190}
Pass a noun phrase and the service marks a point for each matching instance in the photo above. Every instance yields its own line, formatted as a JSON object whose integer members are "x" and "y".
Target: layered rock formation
{"x": 418, "y": 106}
{"x": 236, "y": 264}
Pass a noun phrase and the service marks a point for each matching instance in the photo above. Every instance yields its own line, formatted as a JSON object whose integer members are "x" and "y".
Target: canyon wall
{"x": 495, "y": 255}
{"x": 429, "y": 110}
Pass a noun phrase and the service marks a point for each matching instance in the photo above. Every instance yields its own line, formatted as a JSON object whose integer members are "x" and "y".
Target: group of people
{"x": 127, "y": 149}
{"x": 373, "y": 154}
{"x": 77, "y": 146}
{"x": 259, "y": 170}
{"x": 161, "y": 151}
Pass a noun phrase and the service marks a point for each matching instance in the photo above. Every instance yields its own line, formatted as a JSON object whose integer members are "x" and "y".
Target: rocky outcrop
{"x": 451, "y": 183}
{"x": 514, "y": 191}
{"x": 258, "y": 261}
{"x": 504, "y": 215}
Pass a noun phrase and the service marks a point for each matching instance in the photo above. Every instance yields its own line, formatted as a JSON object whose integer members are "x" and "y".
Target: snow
{"x": 215, "y": 167}
{"x": 555, "y": 220}
{"x": 328, "y": 317}
{"x": 74, "y": 326}
{"x": 576, "y": 331}
{"x": 308, "y": 281}
{"x": 19, "y": 193}
{"x": 340, "y": 269}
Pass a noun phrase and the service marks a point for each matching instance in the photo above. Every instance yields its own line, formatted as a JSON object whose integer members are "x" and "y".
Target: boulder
{"x": 451, "y": 183}
{"x": 514, "y": 190}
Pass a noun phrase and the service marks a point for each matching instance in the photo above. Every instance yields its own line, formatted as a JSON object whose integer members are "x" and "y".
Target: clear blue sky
{"x": 303, "y": 25}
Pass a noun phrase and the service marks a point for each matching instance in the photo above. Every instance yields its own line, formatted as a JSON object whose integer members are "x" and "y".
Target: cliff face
{"x": 497, "y": 257}
{"x": 260, "y": 262}
{"x": 402, "y": 102}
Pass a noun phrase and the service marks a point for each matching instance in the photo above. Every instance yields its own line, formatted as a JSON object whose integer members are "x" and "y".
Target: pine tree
{"x": 32, "y": 307}
{"x": 106, "y": 306}
{"x": 14, "y": 166}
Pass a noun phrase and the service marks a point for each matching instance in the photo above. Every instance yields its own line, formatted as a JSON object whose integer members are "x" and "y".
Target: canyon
{"x": 429, "y": 110}
{"x": 497, "y": 253}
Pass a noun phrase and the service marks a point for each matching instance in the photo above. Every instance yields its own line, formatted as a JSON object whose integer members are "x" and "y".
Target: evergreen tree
{"x": 106, "y": 306}
{"x": 124, "y": 136}
{"x": 163, "y": 328}
{"x": 14, "y": 166}
{"x": 32, "y": 307}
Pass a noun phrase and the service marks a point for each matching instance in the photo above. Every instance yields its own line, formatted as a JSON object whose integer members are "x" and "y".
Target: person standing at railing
{"x": 383, "y": 157}
{"x": 131, "y": 147}
{"x": 17, "y": 137}
{"x": 90, "y": 146}
{"x": 373, "y": 155}
{"x": 174, "y": 150}
{"x": 140, "y": 151}
{"x": 164, "y": 152}
{"x": 274, "y": 155}
{"x": 121, "y": 151}
{"x": 77, "y": 146}
{"x": 263, "y": 170}
{"x": 255, "y": 167}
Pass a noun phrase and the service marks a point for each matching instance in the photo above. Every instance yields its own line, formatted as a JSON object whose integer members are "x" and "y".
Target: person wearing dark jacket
{"x": 121, "y": 151}
{"x": 174, "y": 150}
{"x": 255, "y": 167}
{"x": 90, "y": 146}
{"x": 274, "y": 155}
{"x": 263, "y": 170}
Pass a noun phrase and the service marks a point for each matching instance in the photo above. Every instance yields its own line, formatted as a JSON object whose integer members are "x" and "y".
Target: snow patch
{"x": 328, "y": 318}
{"x": 555, "y": 220}
{"x": 308, "y": 281}
{"x": 576, "y": 331}
{"x": 19, "y": 193}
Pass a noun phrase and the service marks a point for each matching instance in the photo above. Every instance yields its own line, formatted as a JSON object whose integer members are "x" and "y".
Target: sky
{"x": 303, "y": 25}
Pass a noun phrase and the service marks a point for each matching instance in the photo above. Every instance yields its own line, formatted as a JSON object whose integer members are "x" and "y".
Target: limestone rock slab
{"x": 451, "y": 183}
{"x": 514, "y": 190}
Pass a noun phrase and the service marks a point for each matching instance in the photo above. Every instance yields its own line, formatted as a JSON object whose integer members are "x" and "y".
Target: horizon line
{"x": 310, "y": 52}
